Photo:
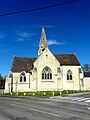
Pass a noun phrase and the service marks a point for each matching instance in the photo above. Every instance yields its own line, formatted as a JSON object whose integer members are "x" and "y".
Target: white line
{"x": 87, "y": 101}
{"x": 79, "y": 98}
{"x": 84, "y": 99}
{"x": 36, "y": 110}
{"x": 16, "y": 105}
{"x": 88, "y": 108}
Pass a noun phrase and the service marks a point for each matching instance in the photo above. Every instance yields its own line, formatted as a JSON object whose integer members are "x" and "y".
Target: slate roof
{"x": 26, "y": 64}
{"x": 22, "y": 64}
{"x": 67, "y": 59}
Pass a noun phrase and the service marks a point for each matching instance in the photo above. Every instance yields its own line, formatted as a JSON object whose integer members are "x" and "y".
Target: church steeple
{"x": 43, "y": 42}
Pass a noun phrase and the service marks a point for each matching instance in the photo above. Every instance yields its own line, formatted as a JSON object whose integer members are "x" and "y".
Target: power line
{"x": 36, "y": 9}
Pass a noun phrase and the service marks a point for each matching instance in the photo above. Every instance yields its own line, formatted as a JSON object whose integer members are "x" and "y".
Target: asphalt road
{"x": 85, "y": 95}
{"x": 33, "y": 108}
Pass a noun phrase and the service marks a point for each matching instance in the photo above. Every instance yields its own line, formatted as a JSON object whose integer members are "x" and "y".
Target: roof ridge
{"x": 64, "y": 54}
{"x": 24, "y": 57}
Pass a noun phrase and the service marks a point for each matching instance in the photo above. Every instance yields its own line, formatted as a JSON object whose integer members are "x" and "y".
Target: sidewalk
{"x": 77, "y": 94}
{"x": 70, "y": 98}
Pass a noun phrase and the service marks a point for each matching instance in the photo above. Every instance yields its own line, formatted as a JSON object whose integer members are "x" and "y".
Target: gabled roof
{"x": 22, "y": 64}
{"x": 67, "y": 59}
{"x": 26, "y": 64}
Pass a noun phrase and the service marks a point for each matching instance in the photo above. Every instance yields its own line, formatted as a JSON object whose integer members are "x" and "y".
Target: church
{"x": 47, "y": 72}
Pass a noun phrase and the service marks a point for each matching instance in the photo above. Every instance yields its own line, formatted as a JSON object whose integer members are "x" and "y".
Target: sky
{"x": 67, "y": 29}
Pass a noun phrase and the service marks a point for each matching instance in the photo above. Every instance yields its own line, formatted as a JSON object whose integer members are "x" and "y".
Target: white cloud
{"x": 20, "y": 40}
{"x": 40, "y": 26}
{"x": 49, "y": 26}
{"x": 2, "y": 36}
{"x": 53, "y": 42}
{"x": 24, "y": 35}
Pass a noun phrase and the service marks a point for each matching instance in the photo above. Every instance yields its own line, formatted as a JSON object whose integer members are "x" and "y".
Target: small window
{"x": 58, "y": 70}
{"x": 42, "y": 75}
{"x": 50, "y": 75}
{"x": 69, "y": 75}
{"x": 80, "y": 70}
{"x": 31, "y": 72}
{"x": 43, "y": 49}
{"x": 22, "y": 77}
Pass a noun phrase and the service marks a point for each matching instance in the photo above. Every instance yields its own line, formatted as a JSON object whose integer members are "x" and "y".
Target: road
{"x": 34, "y": 108}
{"x": 85, "y": 95}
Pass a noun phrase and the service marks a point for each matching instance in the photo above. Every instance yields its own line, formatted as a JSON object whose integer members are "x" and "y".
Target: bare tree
{"x": 86, "y": 67}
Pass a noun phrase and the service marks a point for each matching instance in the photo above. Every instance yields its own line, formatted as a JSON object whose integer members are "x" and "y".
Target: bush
{"x": 45, "y": 93}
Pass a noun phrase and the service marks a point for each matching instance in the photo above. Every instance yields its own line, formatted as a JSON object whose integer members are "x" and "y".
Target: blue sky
{"x": 67, "y": 29}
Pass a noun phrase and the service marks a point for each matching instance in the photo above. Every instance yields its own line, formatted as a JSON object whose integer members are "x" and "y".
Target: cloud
{"x": 49, "y": 26}
{"x": 53, "y": 42}
{"x": 2, "y": 36}
{"x": 40, "y": 26}
{"x": 24, "y": 35}
{"x": 20, "y": 40}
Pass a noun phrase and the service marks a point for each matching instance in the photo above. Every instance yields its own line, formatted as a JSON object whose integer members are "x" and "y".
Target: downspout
{"x": 62, "y": 78}
{"x": 29, "y": 82}
{"x": 36, "y": 82}
{"x": 79, "y": 79}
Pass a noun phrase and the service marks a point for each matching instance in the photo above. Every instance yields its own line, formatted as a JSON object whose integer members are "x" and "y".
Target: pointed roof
{"x": 43, "y": 41}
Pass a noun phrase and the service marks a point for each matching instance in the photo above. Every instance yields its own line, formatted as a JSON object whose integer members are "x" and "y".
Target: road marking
{"x": 88, "y": 105}
{"x": 16, "y": 105}
{"x": 78, "y": 98}
{"x": 88, "y": 108}
{"x": 84, "y": 99}
{"x": 37, "y": 110}
{"x": 87, "y": 101}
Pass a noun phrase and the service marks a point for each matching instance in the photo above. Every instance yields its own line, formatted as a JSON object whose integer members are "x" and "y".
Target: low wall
{"x": 86, "y": 83}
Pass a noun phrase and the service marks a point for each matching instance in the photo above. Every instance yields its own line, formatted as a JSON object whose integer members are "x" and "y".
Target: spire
{"x": 43, "y": 42}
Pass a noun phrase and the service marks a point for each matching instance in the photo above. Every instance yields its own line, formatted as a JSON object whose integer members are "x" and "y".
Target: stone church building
{"x": 47, "y": 72}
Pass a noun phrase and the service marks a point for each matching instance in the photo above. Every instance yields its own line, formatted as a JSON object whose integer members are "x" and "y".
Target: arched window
{"x": 46, "y": 73}
{"x": 22, "y": 77}
{"x": 69, "y": 75}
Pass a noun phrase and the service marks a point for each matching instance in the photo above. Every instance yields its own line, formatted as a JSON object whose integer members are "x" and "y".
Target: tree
{"x": 86, "y": 67}
{"x": 2, "y": 82}
{"x": 1, "y": 78}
